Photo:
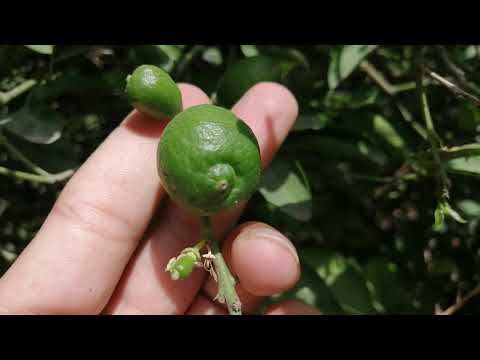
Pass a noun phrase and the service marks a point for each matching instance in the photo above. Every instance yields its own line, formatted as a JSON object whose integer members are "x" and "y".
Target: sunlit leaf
{"x": 465, "y": 166}
{"x": 173, "y": 52}
{"x": 249, "y": 50}
{"x": 284, "y": 186}
{"x": 342, "y": 277}
{"x": 42, "y": 49}
{"x": 311, "y": 290}
{"x": 345, "y": 61}
{"x": 463, "y": 151}
{"x": 453, "y": 214}
{"x": 386, "y": 285}
{"x": 383, "y": 128}
{"x": 439, "y": 217}
{"x": 40, "y": 125}
{"x": 470, "y": 208}
{"x": 213, "y": 56}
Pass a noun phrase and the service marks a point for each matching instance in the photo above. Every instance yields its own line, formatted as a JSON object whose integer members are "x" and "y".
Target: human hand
{"x": 105, "y": 244}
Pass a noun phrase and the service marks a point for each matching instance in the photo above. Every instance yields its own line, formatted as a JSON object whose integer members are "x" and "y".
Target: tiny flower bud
{"x": 182, "y": 266}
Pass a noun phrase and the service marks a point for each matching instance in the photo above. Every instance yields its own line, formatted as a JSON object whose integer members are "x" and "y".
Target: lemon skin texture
{"x": 152, "y": 91}
{"x": 208, "y": 160}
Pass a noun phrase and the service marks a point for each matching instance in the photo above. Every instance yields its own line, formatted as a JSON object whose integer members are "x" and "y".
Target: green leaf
{"x": 462, "y": 151}
{"x": 469, "y": 166}
{"x": 452, "y": 213}
{"x": 301, "y": 82}
{"x": 213, "y": 55}
{"x": 344, "y": 62}
{"x": 442, "y": 266}
{"x": 249, "y": 50}
{"x": 289, "y": 57}
{"x": 42, "y": 49}
{"x": 387, "y": 132}
{"x": 312, "y": 290}
{"x": 334, "y": 149}
{"x": 285, "y": 186}
{"x": 173, "y": 52}
{"x": 386, "y": 286}
{"x": 444, "y": 209}
{"x": 470, "y": 208}
{"x": 240, "y": 76}
{"x": 333, "y": 75}
{"x": 37, "y": 125}
{"x": 343, "y": 278}
{"x": 439, "y": 217}
{"x": 311, "y": 122}
{"x": 149, "y": 54}
{"x": 3, "y": 205}
{"x": 63, "y": 53}
{"x": 467, "y": 116}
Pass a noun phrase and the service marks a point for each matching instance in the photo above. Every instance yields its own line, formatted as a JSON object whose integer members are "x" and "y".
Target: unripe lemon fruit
{"x": 152, "y": 91}
{"x": 208, "y": 159}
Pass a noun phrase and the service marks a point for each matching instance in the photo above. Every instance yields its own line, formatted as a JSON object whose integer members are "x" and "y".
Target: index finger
{"x": 79, "y": 254}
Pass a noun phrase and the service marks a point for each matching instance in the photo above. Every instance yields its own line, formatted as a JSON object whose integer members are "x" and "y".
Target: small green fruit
{"x": 208, "y": 159}
{"x": 153, "y": 92}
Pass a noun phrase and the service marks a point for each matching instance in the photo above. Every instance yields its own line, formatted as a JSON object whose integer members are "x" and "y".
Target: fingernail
{"x": 275, "y": 237}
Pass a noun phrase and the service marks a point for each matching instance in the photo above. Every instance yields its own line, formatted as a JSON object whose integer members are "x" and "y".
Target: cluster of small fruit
{"x": 208, "y": 160}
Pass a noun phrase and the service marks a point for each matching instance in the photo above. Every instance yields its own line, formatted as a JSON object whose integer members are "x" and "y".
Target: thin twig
{"x": 460, "y": 302}
{"x": 383, "y": 83}
{"x": 18, "y": 154}
{"x": 449, "y": 63}
{"x": 6, "y": 97}
{"x": 451, "y": 86}
{"x": 226, "y": 281}
{"x": 392, "y": 90}
{"x": 433, "y": 138}
{"x": 370, "y": 178}
{"x": 47, "y": 179}
{"x": 377, "y": 77}
{"x": 455, "y": 70}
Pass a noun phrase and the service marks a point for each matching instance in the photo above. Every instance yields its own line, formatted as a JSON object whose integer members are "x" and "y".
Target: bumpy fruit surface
{"x": 208, "y": 159}
{"x": 153, "y": 92}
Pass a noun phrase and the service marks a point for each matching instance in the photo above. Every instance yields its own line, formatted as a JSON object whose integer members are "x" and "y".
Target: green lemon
{"x": 242, "y": 75}
{"x": 153, "y": 92}
{"x": 208, "y": 159}
{"x": 182, "y": 266}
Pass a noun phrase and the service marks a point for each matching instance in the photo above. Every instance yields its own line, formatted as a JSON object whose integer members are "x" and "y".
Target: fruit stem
{"x": 226, "y": 281}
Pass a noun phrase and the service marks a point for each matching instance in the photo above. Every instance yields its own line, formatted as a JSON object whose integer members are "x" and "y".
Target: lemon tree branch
{"x": 451, "y": 86}
{"x": 46, "y": 179}
{"x": 226, "y": 281}
{"x": 6, "y": 97}
{"x": 433, "y": 138}
{"x": 460, "y": 302}
{"x": 18, "y": 154}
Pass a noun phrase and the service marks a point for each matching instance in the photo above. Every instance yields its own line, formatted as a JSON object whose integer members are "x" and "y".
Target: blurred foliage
{"x": 355, "y": 186}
